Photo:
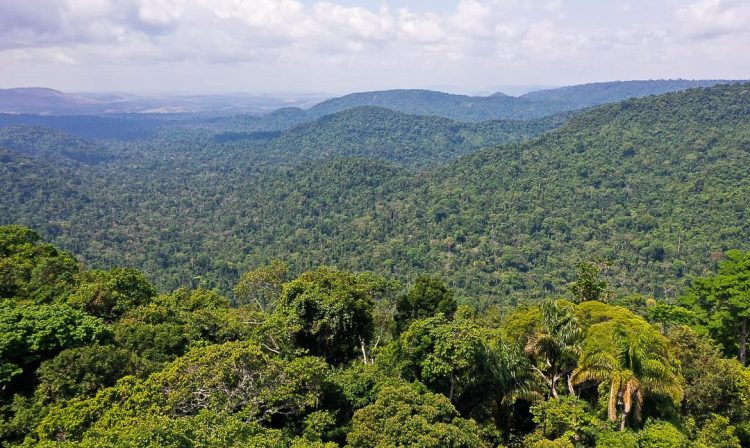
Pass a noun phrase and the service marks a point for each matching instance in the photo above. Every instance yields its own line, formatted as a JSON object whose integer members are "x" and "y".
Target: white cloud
{"x": 290, "y": 41}
{"x": 715, "y": 18}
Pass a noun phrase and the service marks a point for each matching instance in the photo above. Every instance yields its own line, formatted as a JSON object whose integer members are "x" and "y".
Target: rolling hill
{"x": 382, "y": 134}
{"x": 586, "y": 95}
{"x": 659, "y": 186}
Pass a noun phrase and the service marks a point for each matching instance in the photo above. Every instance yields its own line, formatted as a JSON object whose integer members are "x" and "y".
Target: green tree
{"x": 406, "y": 416}
{"x": 617, "y": 439}
{"x": 713, "y": 385}
{"x": 426, "y": 298}
{"x": 261, "y": 286}
{"x": 717, "y": 433}
{"x": 630, "y": 356}
{"x": 30, "y": 334}
{"x": 660, "y": 434}
{"x": 566, "y": 418}
{"x": 723, "y": 303}
{"x": 554, "y": 345}
{"x": 30, "y": 269}
{"x": 83, "y": 371}
{"x": 589, "y": 285}
{"x": 236, "y": 378}
{"x": 469, "y": 364}
{"x": 333, "y": 313}
{"x": 109, "y": 294}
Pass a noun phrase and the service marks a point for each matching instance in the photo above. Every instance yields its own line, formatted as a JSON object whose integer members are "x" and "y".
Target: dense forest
{"x": 656, "y": 189}
{"x": 98, "y": 358}
{"x": 500, "y": 106}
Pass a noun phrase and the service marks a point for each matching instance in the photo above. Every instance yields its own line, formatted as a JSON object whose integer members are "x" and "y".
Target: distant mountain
{"x": 585, "y": 95}
{"x": 42, "y": 101}
{"x": 248, "y": 113}
{"x": 52, "y": 145}
{"x": 410, "y": 140}
{"x": 480, "y": 108}
{"x": 427, "y": 102}
{"x": 658, "y": 186}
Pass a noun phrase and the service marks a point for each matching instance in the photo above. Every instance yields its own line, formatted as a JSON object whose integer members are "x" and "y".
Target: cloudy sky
{"x": 337, "y": 46}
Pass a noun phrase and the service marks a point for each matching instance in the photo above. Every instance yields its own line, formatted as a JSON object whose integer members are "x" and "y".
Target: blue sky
{"x": 339, "y": 46}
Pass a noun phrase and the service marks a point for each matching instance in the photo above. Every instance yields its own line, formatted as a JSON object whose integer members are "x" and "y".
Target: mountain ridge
{"x": 656, "y": 185}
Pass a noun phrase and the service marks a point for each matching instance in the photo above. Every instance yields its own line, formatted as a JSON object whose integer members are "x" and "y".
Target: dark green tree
{"x": 589, "y": 285}
{"x": 109, "y": 294}
{"x": 30, "y": 334}
{"x": 723, "y": 303}
{"x": 406, "y": 416}
{"x": 332, "y": 311}
{"x": 426, "y": 298}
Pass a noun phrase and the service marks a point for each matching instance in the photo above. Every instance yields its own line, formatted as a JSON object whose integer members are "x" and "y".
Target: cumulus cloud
{"x": 376, "y": 41}
{"x": 715, "y": 18}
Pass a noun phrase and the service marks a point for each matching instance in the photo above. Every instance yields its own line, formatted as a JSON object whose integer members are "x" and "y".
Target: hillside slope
{"x": 586, "y": 95}
{"x": 476, "y": 108}
{"x": 659, "y": 185}
{"x": 410, "y": 140}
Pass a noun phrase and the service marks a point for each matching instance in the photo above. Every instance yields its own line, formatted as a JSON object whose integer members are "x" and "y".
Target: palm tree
{"x": 635, "y": 362}
{"x": 555, "y": 346}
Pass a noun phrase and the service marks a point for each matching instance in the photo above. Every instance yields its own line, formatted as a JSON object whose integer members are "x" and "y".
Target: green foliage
{"x": 468, "y": 364}
{"x": 723, "y": 303}
{"x": 588, "y": 284}
{"x": 669, "y": 316}
{"x": 408, "y": 140}
{"x": 261, "y": 286}
{"x": 33, "y": 270}
{"x": 553, "y": 344}
{"x": 660, "y": 434}
{"x": 651, "y": 185}
{"x": 30, "y": 334}
{"x": 235, "y": 378}
{"x": 617, "y": 439}
{"x": 631, "y": 357}
{"x": 109, "y": 294}
{"x": 426, "y": 298}
{"x": 717, "y": 433}
{"x": 333, "y": 312}
{"x": 406, "y": 416}
{"x": 713, "y": 385}
{"x": 566, "y": 418}
{"x": 83, "y": 371}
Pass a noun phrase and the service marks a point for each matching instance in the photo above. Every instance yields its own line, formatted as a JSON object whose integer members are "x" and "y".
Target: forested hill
{"x": 659, "y": 186}
{"x": 410, "y": 140}
{"x": 585, "y": 95}
{"x": 427, "y": 102}
{"x": 462, "y": 107}
{"x": 498, "y": 106}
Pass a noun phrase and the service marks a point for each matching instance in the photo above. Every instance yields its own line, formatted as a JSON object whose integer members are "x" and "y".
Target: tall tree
{"x": 723, "y": 303}
{"x": 554, "y": 345}
{"x": 589, "y": 285}
{"x": 428, "y": 297}
{"x": 332, "y": 311}
{"x": 261, "y": 286}
{"x": 634, "y": 359}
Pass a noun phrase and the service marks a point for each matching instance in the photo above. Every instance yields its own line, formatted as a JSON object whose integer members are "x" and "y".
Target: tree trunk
{"x": 453, "y": 384}
{"x": 553, "y": 386}
{"x": 364, "y": 350}
{"x": 571, "y": 389}
{"x": 743, "y": 341}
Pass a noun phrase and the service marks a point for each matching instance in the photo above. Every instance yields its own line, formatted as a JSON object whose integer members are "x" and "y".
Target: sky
{"x": 340, "y": 46}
